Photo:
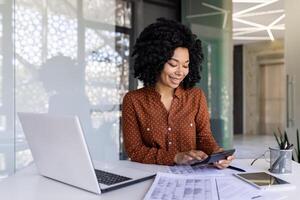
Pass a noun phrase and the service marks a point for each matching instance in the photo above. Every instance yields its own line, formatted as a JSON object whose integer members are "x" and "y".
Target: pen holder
{"x": 280, "y": 161}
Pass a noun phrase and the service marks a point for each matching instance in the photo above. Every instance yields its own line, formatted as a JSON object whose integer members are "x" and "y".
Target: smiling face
{"x": 175, "y": 69}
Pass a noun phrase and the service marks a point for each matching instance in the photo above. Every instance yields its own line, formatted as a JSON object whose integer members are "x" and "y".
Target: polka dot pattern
{"x": 154, "y": 135}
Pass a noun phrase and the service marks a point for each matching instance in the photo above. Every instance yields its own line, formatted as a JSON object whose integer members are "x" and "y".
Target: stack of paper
{"x": 167, "y": 186}
{"x": 199, "y": 170}
{"x": 186, "y": 183}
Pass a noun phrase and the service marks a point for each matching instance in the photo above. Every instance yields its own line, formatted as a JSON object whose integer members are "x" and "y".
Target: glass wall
{"x": 65, "y": 57}
{"x": 211, "y": 22}
{"x": 7, "y": 140}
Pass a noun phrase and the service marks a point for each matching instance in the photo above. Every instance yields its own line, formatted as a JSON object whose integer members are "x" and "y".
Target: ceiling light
{"x": 257, "y": 23}
{"x": 250, "y": 38}
{"x": 279, "y": 27}
{"x": 262, "y": 13}
{"x": 270, "y": 34}
{"x": 214, "y": 7}
{"x": 249, "y": 1}
{"x": 221, "y": 11}
{"x": 254, "y": 7}
{"x": 248, "y": 23}
{"x": 247, "y": 32}
{"x": 277, "y": 20}
{"x": 203, "y": 15}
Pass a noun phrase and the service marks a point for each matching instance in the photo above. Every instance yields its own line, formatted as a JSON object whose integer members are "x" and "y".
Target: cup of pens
{"x": 281, "y": 160}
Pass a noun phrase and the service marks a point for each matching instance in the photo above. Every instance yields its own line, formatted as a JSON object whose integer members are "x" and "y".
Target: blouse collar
{"x": 152, "y": 91}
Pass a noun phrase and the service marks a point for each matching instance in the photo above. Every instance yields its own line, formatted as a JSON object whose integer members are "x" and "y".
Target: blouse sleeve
{"x": 205, "y": 140}
{"x": 134, "y": 146}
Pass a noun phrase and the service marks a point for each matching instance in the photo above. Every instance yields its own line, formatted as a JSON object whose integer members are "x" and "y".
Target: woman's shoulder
{"x": 197, "y": 96}
{"x": 138, "y": 93}
{"x": 195, "y": 91}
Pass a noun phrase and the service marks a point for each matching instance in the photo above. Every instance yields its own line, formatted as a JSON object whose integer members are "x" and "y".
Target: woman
{"x": 166, "y": 122}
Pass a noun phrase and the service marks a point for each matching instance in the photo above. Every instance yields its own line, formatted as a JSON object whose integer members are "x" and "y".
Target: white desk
{"x": 28, "y": 185}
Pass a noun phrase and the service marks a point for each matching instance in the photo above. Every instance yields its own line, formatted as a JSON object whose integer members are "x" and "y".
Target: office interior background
{"x": 73, "y": 57}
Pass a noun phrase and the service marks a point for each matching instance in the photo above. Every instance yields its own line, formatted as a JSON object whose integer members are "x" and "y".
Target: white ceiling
{"x": 257, "y": 20}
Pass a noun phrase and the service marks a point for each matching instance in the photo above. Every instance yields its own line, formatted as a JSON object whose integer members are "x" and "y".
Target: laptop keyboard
{"x": 109, "y": 178}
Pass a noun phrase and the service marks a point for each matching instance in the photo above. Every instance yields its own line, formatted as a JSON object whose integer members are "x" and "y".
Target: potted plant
{"x": 284, "y": 143}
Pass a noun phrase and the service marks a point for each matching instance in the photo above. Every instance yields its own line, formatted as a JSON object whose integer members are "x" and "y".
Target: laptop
{"x": 60, "y": 152}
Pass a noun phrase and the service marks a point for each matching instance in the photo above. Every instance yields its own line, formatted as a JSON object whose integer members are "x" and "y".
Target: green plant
{"x": 282, "y": 139}
{"x": 284, "y": 143}
{"x": 298, "y": 147}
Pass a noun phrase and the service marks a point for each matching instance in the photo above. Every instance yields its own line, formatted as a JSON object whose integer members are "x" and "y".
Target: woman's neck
{"x": 164, "y": 91}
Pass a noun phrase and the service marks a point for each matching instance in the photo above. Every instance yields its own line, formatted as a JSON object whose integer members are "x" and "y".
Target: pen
{"x": 255, "y": 197}
{"x": 236, "y": 168}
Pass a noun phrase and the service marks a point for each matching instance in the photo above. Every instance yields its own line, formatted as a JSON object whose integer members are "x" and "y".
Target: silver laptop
{"x": 60, "y": 152}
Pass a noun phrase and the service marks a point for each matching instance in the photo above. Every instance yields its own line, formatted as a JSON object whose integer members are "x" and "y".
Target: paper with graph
{"x": 167, "y": 186}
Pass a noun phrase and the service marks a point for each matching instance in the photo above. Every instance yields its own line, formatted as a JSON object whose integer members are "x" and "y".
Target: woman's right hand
{"x": 186, "y": 158}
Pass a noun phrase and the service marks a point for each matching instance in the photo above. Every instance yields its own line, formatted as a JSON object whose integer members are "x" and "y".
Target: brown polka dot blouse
{"x": 153, "y": 135}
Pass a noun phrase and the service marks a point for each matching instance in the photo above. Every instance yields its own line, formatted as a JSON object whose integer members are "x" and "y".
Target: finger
{"x": 200, "y": 155}
{"x": 187, "y": 158}
{"x": 219, "y": 166}
{"x": 224, "y": 163}
{"x": 230, "y": 158}
{"x": 194, "y": 155}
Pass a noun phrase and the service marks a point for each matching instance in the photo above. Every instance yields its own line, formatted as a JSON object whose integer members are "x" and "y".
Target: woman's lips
{"x": 175, "y": 80}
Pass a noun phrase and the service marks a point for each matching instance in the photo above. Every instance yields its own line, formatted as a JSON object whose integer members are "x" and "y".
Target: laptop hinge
{"x": 127, "y": 183}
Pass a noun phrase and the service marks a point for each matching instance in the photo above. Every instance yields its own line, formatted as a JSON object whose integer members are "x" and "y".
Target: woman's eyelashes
{"x": 172, "y": 64}
{"x": 175, "y": 65}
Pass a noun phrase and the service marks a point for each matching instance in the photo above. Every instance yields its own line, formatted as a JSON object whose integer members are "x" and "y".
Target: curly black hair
{"x": 155, "y": 46}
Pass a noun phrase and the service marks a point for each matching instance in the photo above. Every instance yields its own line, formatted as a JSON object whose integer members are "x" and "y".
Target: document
{"x": 167, "y": 186}
{"x": 232, "y": 188}
{"x": 199, "y": 170}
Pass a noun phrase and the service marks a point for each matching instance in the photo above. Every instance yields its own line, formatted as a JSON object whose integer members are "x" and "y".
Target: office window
{"x": 64, "y": 57}
{"x": 211, "y": 22}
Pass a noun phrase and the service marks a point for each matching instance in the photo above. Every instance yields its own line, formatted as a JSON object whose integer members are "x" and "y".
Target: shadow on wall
{"x": 64, "y": 81}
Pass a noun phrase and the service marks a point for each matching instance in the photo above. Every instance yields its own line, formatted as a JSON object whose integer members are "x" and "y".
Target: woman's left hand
{"x": 221, "y": 164}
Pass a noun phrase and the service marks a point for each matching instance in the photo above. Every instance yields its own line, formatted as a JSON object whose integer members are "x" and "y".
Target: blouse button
{"x": 191, "y": 124}
{"x": 170, "y": 143}
{"x": 148, "y": 129}
{"x": 169, "y": 129}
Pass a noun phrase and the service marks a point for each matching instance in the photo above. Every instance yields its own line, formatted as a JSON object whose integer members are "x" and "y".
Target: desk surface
{"x": 28, "y": 185}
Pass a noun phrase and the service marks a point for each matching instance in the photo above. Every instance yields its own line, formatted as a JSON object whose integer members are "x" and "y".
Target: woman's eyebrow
{"x": 179, "y": 61}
